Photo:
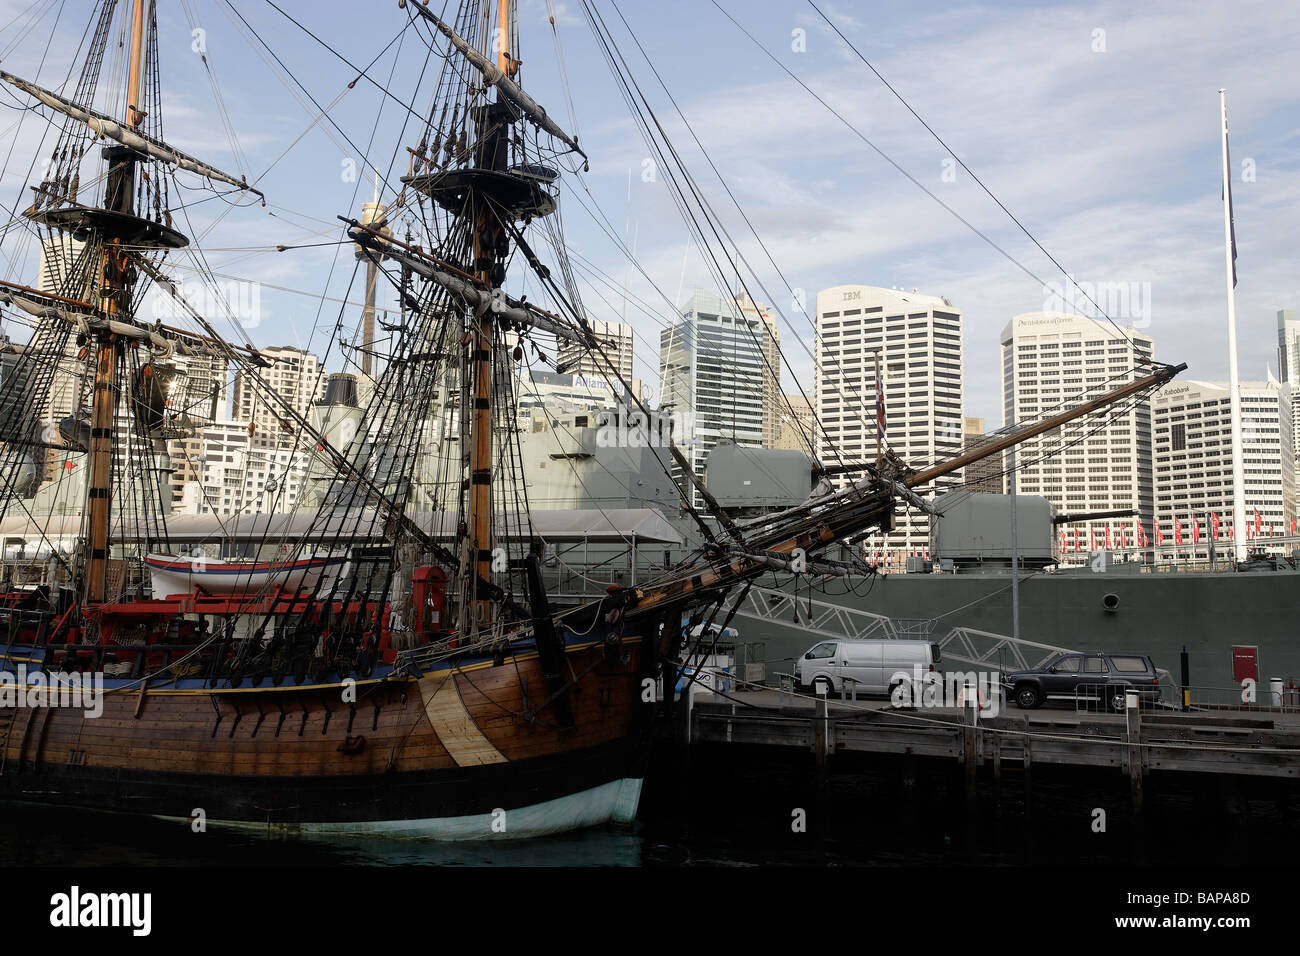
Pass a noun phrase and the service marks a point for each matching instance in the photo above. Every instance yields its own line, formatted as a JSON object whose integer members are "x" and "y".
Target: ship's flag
{"x": 1196, "y": 529}
{"x": 1227, "y": 197}
{"x": 1214, "y": 525}
{"x": 1178, "y": 531}
{"x": 1257, "y": 522}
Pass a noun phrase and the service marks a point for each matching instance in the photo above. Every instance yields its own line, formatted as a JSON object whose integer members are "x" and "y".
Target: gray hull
{"x": 1156, "y": 614}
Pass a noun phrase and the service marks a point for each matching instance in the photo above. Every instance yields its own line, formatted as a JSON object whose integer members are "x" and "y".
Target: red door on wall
{"x": 1245, "y": 663}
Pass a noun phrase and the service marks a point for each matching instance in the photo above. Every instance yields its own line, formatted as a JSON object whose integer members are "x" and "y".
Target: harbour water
{"x": 736, "y": 810}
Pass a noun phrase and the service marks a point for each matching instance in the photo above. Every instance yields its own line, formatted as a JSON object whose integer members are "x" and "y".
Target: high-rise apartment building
{"x": 616, "y": 341}
{"x": 1052, "y": 360}
{"x": 1192, "y": 424}
{"x": 919, "y": 342}
{"x": 296, "y": 376}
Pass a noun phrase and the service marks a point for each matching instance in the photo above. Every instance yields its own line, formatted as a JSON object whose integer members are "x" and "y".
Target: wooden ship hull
{"x": 465, "y": 752}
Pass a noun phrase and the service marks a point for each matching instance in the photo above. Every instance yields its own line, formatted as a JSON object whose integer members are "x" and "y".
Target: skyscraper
{"x": 711, "y": 363}
{"x": 1051, "y": 360}
{"x": 919, "y": 341}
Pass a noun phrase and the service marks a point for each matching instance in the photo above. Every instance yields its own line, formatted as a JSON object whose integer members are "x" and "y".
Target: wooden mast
{"x": 115, "y": 300}
{"x": 487, "y": 233}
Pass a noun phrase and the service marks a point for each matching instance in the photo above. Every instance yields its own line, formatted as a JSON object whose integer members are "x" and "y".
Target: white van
{"x": 870, "y": 663}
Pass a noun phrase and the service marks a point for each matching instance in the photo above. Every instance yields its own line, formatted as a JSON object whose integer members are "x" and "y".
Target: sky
{"x": 1095, "y": 124}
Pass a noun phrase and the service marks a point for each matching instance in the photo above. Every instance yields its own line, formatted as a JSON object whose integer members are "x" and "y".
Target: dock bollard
{"x": 1133, "y": 722}
{"x": 972, "y": 702}
{"x": 821, "y": 733}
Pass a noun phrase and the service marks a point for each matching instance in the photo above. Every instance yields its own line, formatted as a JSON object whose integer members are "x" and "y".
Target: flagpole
{"x": 1238, "y": 476}
{"x": 879, "y": 424}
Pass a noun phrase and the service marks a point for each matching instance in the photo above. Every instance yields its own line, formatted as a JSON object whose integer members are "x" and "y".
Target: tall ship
{"x": 391, "y": 655}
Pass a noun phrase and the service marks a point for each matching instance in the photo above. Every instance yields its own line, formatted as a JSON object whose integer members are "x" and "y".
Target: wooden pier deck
{"x": 1261, "y": 744}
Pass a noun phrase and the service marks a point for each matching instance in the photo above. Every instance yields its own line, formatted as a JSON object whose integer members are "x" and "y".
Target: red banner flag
{"x": 1257, "y": 522}
{"x": 1160, "y": 535}
{"x": 1214, "y": 526}
{"x": 1141, "y": 534}
{"x": 1076, "y": 540}
{"x": 1178, "y": 531}
{"x": 1122, "y": 542}
{"x": 1108, "y": 545}
{"x": 1092, "y": 539}
{"x": 1196, "y": 529}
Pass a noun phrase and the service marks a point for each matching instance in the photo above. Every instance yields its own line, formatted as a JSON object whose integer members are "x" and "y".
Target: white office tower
{"x": 1050, "y": 361}
{"x": 296, "y": 376}
{"x": 919, "y": 339}
{"x": 711, "y": 370}
{"x": 1192, "y": 422}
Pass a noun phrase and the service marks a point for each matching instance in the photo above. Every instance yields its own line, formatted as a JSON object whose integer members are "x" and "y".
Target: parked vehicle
{"x": 1107, "y": 677}
{"x": 869, "y": 663}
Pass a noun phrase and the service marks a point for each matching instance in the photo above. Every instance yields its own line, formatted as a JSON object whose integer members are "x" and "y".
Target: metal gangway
{"x": 982, "y": 650}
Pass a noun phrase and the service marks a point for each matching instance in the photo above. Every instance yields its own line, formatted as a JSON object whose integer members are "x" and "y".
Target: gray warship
{"x": 962, "y": 596}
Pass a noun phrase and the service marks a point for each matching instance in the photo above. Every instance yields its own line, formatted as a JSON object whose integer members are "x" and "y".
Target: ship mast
{"x": 487, "y": 236}
{"x": 115, "y": 301}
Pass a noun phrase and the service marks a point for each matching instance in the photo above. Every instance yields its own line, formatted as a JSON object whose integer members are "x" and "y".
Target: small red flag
{"x": 1178, "y": 531}
{"x": 1108, "y": 545}
{"x": 1214, "y": 525}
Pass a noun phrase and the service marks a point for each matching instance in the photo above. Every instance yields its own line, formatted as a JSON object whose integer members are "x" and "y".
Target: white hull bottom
{"x": 613, "y": 802}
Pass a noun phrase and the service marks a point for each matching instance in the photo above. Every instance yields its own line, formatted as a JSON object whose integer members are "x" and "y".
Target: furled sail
{"x": 505, "y": 306}
{"x": 128, "y": 137}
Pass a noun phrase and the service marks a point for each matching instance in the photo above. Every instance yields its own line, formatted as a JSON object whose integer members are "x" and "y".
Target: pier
{"x": 1262, "y": 743}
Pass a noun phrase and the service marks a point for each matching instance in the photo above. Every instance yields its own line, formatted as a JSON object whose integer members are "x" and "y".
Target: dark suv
{"x": 1105, "y": 676}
